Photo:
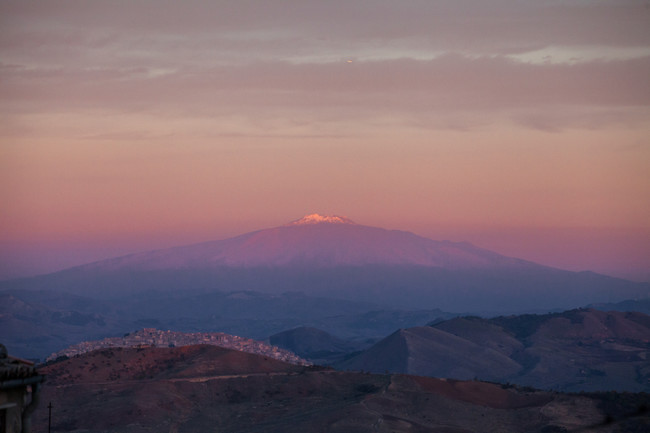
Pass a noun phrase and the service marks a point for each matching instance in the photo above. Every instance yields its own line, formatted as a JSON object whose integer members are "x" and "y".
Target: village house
{"x": 19, "y": 391}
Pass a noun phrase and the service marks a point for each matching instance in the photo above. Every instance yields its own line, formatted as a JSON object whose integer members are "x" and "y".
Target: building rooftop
{"x": 16, "y": 372}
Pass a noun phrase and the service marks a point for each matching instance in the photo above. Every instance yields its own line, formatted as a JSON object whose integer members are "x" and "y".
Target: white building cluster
{"x": 151, "y": 337}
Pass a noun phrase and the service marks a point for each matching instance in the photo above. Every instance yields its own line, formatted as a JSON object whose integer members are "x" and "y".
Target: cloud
{"x": 398, "y": 88}
{"x": 156, "y": 30}
{"x": 263, "y": 59}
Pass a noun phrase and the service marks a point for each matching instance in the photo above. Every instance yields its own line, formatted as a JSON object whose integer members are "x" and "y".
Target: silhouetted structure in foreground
{"x": 19, "y": 392}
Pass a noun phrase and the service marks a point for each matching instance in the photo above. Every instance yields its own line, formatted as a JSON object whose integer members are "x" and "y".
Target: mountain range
{"x": 577, "y": 350}
{"x": 34, "y": 324}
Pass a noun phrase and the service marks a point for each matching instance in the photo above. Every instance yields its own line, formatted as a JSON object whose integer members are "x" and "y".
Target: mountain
{"x": 206, "y": 388}
{"x": 313, "y": 344}
{"x": 578, "y": 350}
{"x": 34, "y": 328}
{"x": 427, "y": 351}
{"x": 333, "y": 257}
{"x": 639, "y": 305}
{"x": 316, "y": 241}
{"x": 34, "y": 324}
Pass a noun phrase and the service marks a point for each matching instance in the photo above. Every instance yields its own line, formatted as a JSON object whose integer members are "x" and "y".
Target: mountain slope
{"x": 333, "y": 257}
{"x": 578, "y": 350}
{"x": 203, "y": 388}
{"x": 313, "y": 344}
{"x": 316, "y": 241}
{"x": 426, "y": 351}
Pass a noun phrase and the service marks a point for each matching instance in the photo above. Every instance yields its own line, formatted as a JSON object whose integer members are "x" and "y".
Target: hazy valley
{"x": 356, "y": 282}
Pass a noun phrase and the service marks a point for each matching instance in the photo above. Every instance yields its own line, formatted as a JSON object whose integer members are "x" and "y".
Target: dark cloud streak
{"x": 480, "y": 27}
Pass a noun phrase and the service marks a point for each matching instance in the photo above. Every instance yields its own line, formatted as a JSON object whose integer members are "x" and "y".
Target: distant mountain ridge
{"x": 313, "y": 344}
{"x": 34, "y": 324}
{"x": 577, "y": 350}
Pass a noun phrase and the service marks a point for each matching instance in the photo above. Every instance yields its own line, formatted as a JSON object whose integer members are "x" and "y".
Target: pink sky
{"x": 520, "y": 126}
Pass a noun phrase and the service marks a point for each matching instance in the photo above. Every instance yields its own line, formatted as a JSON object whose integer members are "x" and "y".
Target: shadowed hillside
{"x": 127, "y": 364}
{"x": 313, "y": 344}
{"x": 203, "y": 388}
{"x": 578, "y": 350}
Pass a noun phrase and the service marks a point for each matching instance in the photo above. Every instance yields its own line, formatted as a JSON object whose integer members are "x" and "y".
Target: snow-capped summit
{"x": 332, "y": 257}
{"x": 318, "y": 219}
{"x": 317, "y": 241}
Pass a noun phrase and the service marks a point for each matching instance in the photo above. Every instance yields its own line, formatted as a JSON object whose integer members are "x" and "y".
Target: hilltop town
{"x": 151, "y": 337}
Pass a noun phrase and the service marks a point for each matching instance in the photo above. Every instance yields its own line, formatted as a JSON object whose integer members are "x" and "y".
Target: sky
{"x": 522, "y": 126}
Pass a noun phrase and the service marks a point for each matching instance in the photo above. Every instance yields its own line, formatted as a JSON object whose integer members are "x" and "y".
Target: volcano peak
{"x": 319, "y": 219}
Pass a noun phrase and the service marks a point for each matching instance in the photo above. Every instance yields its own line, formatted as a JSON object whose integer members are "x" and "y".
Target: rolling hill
{"x": 578, "y": 350}
{"x": 34, "y": 324}
{"x": 205, "y": 388}
{"x": 314, "y": 344}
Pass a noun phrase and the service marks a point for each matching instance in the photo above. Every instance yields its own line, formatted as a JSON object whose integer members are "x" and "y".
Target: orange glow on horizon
{"x": 218, "y": 125}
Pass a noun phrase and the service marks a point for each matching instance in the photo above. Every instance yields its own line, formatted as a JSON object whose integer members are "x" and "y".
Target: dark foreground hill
{"x": 578, "y": 350}
{"x": 204, "y": 388}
